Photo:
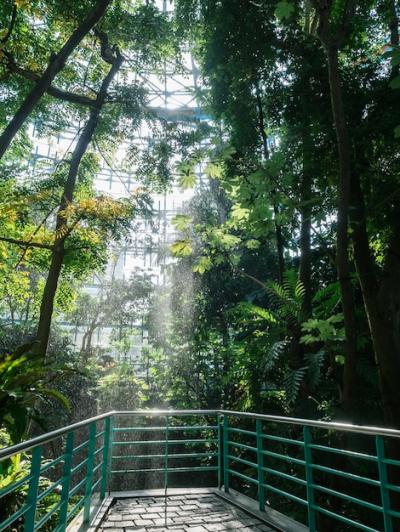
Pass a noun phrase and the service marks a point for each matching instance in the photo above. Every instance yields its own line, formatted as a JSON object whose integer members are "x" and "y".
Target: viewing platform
{"x": 203, "y": 471}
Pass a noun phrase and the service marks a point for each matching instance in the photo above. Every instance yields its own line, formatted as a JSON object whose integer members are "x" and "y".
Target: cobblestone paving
{"x": 185, "y": 513}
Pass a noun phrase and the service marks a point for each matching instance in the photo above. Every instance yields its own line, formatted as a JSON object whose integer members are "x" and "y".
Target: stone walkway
{"x": 185, "y": 513}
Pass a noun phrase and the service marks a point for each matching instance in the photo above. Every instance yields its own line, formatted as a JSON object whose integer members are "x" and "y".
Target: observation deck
{"x": 202, "y": 471}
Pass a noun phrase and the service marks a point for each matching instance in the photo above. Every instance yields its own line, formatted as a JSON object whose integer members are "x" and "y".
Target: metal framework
{"x": 172, "y": 96}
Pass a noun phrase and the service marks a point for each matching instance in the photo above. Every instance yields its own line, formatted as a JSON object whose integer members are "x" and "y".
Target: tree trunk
{"x": 55, "y": 65}
{"x": 305, "y": 225}
{"x": 47, "y": 305}
{"x": 382, "y": 304}
{"x": 278, "y": 228}
{"x": 342, "y": 239}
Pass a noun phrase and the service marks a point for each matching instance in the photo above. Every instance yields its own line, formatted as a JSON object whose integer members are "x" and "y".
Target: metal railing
{"x": 331, "y": 474}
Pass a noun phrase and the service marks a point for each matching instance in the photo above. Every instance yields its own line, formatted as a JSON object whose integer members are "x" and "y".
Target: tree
{"x": 44, "y": 81}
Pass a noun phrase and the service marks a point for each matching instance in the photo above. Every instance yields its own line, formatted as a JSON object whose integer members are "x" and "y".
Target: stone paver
{"x": 185, "y": 513}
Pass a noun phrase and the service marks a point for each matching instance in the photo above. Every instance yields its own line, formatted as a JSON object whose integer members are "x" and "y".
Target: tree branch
{"x": 61, "y": 94}
{"x": 22, "y": 243}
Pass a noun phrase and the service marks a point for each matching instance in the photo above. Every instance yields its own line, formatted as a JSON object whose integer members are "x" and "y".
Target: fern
{"x": 327, "y": 298}
{"x": 258, "y": 311}
{"x": 292, "y": 383}
{"x": 315, "y": 362}
{"x": 275, "y": 352}
{"x": 288, "y": 296}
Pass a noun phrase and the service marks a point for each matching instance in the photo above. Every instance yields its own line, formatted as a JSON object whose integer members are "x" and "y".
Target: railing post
{"x": 260, "y": 465}
{"x": 33, "y": 489}
{"x": 225, "y": 435}
{"x": 107, "y": 448}
{"x": 89, "y": 472}
{"x": 220, "y": 467}
{"x": 383, "y": 479}
{"x": 66, "y": 478}
{"x": 166, "y": 464}
{"x": 307, "y": 438}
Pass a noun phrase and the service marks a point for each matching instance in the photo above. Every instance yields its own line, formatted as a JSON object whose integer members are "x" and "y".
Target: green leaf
{"x": 181, "y": 222}
{"x": 252, "y": 244}
{"x": 186, "y": 174}
{"x": 258, "y": 311}
{"x": 186, "y": 181}
{"x": 283, "y": 10}
{"x": 239, "y": 213}
{"x": 213, "y": 170}
{"x": 181, "y": 248}
{"x": 395, "y": 83}
{"x": 397, "y": 132}
{"x": 202, "y": 265}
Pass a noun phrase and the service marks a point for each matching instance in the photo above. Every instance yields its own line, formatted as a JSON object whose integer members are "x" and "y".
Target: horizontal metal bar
{"x": 391, "y": 461}
{"x": 344, "y": 427}
{"x": 170, "y": 469}
{"x": 328, "y": 425}
{"x": 170, "y": 442}
{"x": 45, "y": 438}
{"x": 96, "y": 484}
{"x": 242, "y": 431}
{"x": 46, "y": 517}
{"x": 11, "y": 487}
{"x": 285, "y": 457}
{"x": 242, "y": 446}
{"x": 99, "y": 450}
{"x": 348, "y": 497}
{"x": 44, "y": 493}
{"x": 283, "y": 440}
{"x": 159, "y": 456}
{"x": 80, "y": 447}
{"x": 53, "y": 463}
{"x": 242, "y": 476}
{"x": 344, "y": 452}
{"x": 157, "y": 429}
{"x": 242, "y": 461}
{"x": 344, "y": 519}
{"x": 345, "y": 474}
{"x": 71, "y": 513}
{"x": 76, "y": 488}
{"x": 99, "y": 434}
{"x": 79, "y": 466}
{"x": 392, "y": 487}
{"x": 163, "y": 413}
{"x": 97, "y": 467}
{"x": 16, "y": 515}
{"x": 285, "y": 494}
{"x": 285, "y": 476}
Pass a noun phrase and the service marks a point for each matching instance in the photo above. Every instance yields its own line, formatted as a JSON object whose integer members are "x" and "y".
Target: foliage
{"x": 24, "y": 382}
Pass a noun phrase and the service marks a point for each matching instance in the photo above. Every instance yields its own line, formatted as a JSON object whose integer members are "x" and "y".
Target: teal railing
{"x": 332, "y": 476}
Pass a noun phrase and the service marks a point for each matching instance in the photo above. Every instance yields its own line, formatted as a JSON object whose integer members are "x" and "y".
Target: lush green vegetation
{"x": 284, "y": 295}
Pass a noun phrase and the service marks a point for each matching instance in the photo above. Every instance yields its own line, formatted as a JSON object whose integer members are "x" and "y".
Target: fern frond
{"x": 274, "y": 353}
{"x": 292, "y": 383}
{"x": 315, "y": 361}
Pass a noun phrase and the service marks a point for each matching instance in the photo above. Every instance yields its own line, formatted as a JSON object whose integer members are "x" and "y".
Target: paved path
{"x": 185, "y": 513}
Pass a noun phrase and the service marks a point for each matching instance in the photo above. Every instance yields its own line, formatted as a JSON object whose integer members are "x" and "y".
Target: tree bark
{"x": 305, "y": 225}
{"x": 382, "y": 304}
{"x": 278, "y": 228}
{"x": 342, "y": 238}
{"x": 57, "y": 258}
{"x": 55, "y": 65}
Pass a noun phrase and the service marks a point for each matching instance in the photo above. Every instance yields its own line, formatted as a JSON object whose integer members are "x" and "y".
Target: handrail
{"x": 329, "y": 425}
{"x": 27, "y": 445}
